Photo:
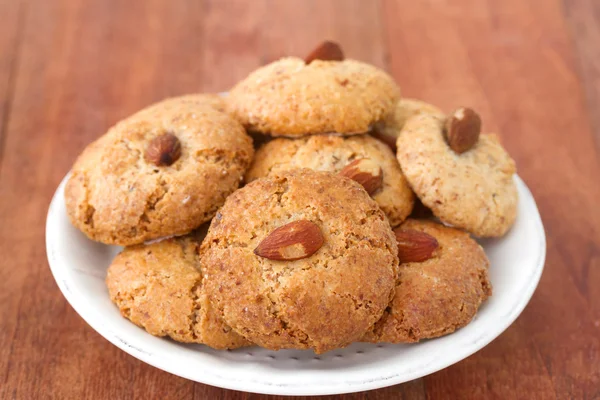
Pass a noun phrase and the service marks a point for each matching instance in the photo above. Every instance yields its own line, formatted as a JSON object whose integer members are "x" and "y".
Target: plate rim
{"x": 302, "y": 388}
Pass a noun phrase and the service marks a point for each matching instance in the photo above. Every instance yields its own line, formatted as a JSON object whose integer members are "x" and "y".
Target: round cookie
{"x": 333, "y": 153}
{"x": 389, "y": 130}
{"x": 291, "y": 98}
{"x": 474, "y": 190}
{"x": 439, "y": 295}
{"x": 117, "y": 194}
{"x": 322, "y": 301}
{"x": 159, "y": 287}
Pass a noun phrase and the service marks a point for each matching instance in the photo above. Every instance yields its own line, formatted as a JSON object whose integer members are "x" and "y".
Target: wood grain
{"x": 517, "y": 67}
{"x": 582, "y": 17}
{"x": 71, "y": 68}
{"x": 10, "y": 39}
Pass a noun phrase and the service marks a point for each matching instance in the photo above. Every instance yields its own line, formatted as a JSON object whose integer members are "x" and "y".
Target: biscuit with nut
{"x": 163, "y": 171}
{"x": 323, "y": 94}
{"x": 465, "y": 178}
{"x": 442, "y": 281}
{"x": 302, "y": 260}
{"x": 359, "y": 157}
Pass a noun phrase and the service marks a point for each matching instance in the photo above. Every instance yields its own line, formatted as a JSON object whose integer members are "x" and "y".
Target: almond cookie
{"x": 163, "y": 171}
{"x": 436, "y": 296}
{"x": 473, "y": 190}
{"x": 292, "y": 98}
{"x": 334, "y": 154}
{"x": 389, "y": 130}
{"x": 303, "y": 260}
{"x": 160, "y": 288}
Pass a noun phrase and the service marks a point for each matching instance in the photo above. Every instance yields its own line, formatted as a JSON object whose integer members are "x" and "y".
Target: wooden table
{"x": 71, "y": 68}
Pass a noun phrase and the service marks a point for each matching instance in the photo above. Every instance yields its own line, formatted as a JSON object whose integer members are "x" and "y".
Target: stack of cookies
{"x": 350, "y": 222}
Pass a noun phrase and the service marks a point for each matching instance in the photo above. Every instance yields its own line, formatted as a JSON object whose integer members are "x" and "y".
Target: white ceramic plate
{"x": 79, "y": 267}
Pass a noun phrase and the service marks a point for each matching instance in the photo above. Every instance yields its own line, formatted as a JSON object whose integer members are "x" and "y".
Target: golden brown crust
{"x": 159, "y": 288}
{"x": 474, "y": 190}
{"x": 115, "y": 196}
{"x": 406, "y": 109}
{"x": 290, "y": 98}
{"x": 437, "y": 296}
{"x": 321, "y": 302}
{"x": 332, "y": 153}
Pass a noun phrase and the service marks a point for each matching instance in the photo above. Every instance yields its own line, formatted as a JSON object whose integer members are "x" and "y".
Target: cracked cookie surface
{"x": 333, "y": 153}
{"x": 474, "y": 191}
{"x": 290, "y": 98}
{"x": 439, "y": 295}
{"x": 322, "y": 302}
{"x": 159, "y": 288}
{"x": 116, "y": 196}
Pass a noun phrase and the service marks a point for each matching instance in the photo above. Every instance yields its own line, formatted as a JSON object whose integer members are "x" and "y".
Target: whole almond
{"x": 414, "y": 246}
{"x": 293, "y": 241}
{"x": 163, "y": 150}
{"x": 326, "y": 51}
{"x": 462, "y": 129}
{"x": 366, "y": 172}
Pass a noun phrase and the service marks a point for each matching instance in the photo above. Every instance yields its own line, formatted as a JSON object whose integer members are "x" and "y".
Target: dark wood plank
{"x": 583, "y": 18}
{"x": 513, "y": 61}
